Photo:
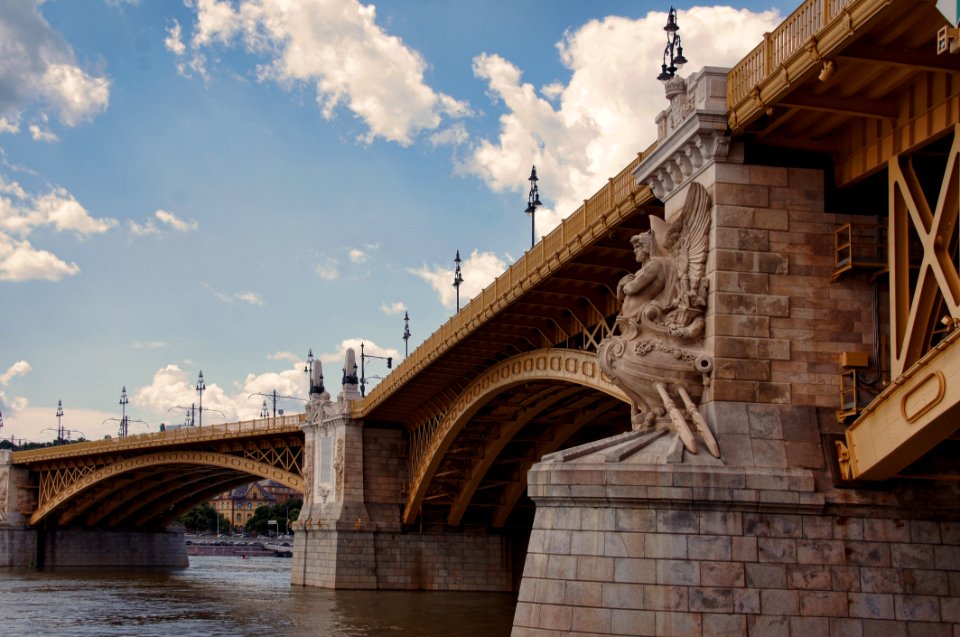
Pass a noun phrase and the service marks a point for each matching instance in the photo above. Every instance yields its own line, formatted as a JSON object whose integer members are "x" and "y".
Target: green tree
{"x": 259, "y": 523}
{"x": 203, "y": 517}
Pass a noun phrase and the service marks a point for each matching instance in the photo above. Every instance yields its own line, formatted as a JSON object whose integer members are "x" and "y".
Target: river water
{"x": 229, "y": 596}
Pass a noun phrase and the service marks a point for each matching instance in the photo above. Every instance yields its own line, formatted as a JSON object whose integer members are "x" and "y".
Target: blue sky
{"x": 222, "y": 185}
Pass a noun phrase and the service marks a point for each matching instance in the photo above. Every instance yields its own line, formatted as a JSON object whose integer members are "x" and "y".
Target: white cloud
{"x": 245, "y": 297}
{"x": 174, "y": 41}
{"x": 249, "y": 297}
{"x": 20, "y": 261}
{"x": 337, "y": 47}
{"x": 357, "y": 255}
{"x": 284, "y": 356}
{"x": 166, "y": 218}
{"x": 398, "y": 307}
{"x": 38, "y": 70}
{"x": 174, "y": 222}
{"x": 602, "y": 120}
{"x": 328, "y": 270}
{"x": 172, "y": 387}
{"x": 455, "y": 135}
{"x": 42, "y": 134}
{"x": 10, "y": 124}
{"x": 20, "y": 368}
{"x": 478, "y": 271}
{"x": 21, "y": 213}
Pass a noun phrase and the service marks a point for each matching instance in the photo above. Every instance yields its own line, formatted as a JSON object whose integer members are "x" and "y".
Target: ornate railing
{"x": 791, "y": 36}
{"x": 183, "y": 435}
{"x": 618, "y": 197}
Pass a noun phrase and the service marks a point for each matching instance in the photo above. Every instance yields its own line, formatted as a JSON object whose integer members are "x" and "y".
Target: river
{"x": 230, "y": 596}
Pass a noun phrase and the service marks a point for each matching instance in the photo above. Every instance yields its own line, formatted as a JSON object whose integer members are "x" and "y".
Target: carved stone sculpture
{"x": 657, "y": 357}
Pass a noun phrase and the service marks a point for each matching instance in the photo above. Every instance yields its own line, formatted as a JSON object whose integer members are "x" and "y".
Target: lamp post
{"x": 201, "y": 386}
{"x": 457, "y": 278}
{"x": 533, "y": 202}
{"x": 313, "y": 388}
{"x": 406, "y": 339}
{"x": 264, "y": 412}
{"x": 273, "y": 396}
{"x": 673, "y": 53}
{"x": 59, "y": 422}
{"x": 124, "y": 401}
{"x": 363, "y": 365}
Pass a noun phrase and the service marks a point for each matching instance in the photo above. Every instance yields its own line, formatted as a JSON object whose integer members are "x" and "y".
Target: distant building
{"x": 238, "y": 505}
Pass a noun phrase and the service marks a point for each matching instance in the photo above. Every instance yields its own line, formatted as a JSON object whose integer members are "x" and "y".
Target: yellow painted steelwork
{"x": 431, "y": 442}
{"x": 146, "y": 480}
{"x": 920, "y": 407}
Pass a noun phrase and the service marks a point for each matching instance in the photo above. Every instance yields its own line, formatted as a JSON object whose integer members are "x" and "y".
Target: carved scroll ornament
{"x": 657, "y": 357}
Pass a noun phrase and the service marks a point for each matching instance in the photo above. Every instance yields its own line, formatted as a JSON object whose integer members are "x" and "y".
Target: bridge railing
{"x": 180, "y": 435}
{"x": 619, "y": 196}
{"x": 793, "y": 34}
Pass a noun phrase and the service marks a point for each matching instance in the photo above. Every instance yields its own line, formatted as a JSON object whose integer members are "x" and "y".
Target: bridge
{"x": 795, "y": 419}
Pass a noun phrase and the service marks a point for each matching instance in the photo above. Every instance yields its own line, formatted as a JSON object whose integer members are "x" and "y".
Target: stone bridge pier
{"x": 349, "y": 534}
{"x": 23, "y": 545}
{"x": 18, "y": 542}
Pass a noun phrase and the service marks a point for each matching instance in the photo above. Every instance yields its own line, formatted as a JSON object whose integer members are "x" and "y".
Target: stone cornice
{"x": 692, "y": 132}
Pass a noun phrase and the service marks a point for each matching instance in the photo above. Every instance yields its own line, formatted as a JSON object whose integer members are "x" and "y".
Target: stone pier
{"x": 24, "y": 546}
{"x": 636, "y": 535}
{"x": 349, "y": 534}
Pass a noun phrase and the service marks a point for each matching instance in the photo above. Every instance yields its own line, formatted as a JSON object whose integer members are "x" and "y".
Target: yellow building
{"x": 238, "y": 505}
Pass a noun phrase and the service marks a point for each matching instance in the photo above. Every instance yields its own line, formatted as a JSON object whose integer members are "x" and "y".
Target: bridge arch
{"x": 153, "y": 488}
{"x": 569, "y": 371}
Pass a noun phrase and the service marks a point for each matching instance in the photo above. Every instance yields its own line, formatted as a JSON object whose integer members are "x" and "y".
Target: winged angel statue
{"x": 657, "y": 357}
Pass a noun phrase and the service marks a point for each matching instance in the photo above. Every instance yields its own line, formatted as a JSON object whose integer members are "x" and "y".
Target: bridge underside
{"x": 482, "y": 478}
{"x": 145, "y": 482}
{"x": 146, "y": 498}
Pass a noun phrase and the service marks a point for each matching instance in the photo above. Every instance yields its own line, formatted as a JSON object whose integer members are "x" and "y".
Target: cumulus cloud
{"x": 172, "y": 387}
{"x": 478, "y": 270}
{"x": 398, "y": 307}
{"x": 357, "y": 255}
{"x": 42, "y": 134}
{"x": 13, "y": 404}
{"x": 338, "y": 48}
{"x": 166, "y": 219}
{"x": 20, "y": 368}
{"x": 583, "y": 132}
{"x": 38, "y": 70}
{"x": 21, "y": 213}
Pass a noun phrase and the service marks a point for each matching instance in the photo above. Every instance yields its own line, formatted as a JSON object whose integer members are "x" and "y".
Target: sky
{"x": 223, "y": 185}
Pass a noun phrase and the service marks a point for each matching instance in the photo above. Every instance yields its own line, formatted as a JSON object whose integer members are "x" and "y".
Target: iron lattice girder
{"x": 75, "y": 481}
{"x": 919, "y": 409}
{"x": 548, "y": 368}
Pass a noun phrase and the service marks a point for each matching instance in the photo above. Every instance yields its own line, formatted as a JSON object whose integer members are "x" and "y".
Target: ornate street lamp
{"x": 123, "y": 417}
{"x": 457, "y": 278}
{"x": 533, "y": 202}
{"x": 59, "y": 421}
{"x": 673, "y": 53}
{"x": 264, "y": 412}
{"x": 201, "y": 386}
{"x": 406, "y": 339}
{"x": 308, "y": 370}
